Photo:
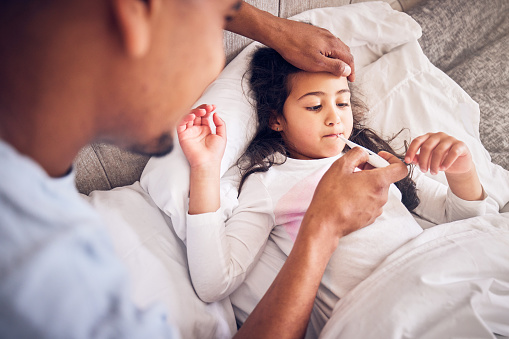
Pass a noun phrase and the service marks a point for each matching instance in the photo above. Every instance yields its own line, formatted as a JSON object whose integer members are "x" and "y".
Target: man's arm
{"x": 344, "y": 201}
{"x": 305, "y": 46}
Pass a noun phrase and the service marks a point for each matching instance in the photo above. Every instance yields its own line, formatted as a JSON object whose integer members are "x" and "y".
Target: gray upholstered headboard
{"x": 471, "y": 48}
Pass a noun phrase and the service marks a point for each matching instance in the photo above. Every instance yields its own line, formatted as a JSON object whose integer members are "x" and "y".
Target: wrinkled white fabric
{"x": 452, "y": 281}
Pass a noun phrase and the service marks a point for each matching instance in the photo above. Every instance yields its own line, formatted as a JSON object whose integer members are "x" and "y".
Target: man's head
{"x": 175, "y": 50}
{"x": 121, "y": 71}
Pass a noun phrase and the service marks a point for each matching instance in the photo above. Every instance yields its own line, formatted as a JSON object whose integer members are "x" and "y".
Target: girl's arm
{"x": 442, "y": 152}
{"x": 222, "y": 253}
{"x": 219, "y": 254}
{"x": 438, "y": 204}
{"x": 204, "y": 151}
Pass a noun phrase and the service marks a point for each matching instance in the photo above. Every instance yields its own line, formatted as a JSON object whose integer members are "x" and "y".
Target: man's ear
{"x": 133, "y": 20}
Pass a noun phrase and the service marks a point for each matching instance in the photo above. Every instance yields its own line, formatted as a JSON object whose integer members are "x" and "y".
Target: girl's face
{"x": 314, "y": 114}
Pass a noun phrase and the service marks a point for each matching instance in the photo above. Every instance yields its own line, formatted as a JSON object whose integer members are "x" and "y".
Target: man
{"x": 125, "y": 72}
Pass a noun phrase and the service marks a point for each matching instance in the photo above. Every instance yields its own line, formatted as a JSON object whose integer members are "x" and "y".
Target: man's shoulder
{"x": 34, "y": 205}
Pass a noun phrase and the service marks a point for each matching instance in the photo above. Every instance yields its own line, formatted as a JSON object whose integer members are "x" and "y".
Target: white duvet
{"x": 452, "y": 281}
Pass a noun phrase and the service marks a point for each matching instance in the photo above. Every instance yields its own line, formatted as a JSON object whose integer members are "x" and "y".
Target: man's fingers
{"x": 337, "y": 67}
{"x": 356, "y": 157}
{"x": 396, "y": 171}
{"x": 351, "y": 77}
{"x": 391, "y": 158}
{"x": 343, "y": 54}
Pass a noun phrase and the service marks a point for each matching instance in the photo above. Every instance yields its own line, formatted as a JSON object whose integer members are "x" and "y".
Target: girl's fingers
{"x": 415, "y": 160}
{"x": 209, "y": 109}
{"x": 429, "y": 157}
{"x": 198, "y": 111}
{"x": 414, "y": 147}
{"x": 449, "y": 159}
{"x": 203, "y": 113}
{"x": 199, "y": 116}
{"x": 457, "y": 150}
{"x": 436, "y": 161}
{"x": 204, "y": 110}
{"x": 439, "y": 154}
{"x": 426, "y": 151}
{"x": 184, "y": 124}
{"x": 206, "y": 122}
{"x": 187, "y": 118}
{"x": 220, "y": 125}
{"x": 436, "y": 152}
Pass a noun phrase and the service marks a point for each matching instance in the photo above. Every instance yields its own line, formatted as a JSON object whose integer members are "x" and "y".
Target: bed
{"x": 426, "y": 70}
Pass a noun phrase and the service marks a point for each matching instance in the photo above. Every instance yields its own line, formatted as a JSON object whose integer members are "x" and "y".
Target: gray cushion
{"x": 103, "y": 167}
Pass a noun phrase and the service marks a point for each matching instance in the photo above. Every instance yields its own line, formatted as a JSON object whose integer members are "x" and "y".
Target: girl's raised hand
{"x": 440, "y": 152}
{"x": 199, "y": 144}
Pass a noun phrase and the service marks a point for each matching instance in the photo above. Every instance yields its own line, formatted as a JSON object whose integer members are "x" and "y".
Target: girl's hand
{"x": 202, "y": 147}
{"x": 440, "y": 152}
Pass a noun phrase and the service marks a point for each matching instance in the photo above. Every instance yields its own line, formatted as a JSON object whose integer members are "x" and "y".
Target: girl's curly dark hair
{"x": 268, "y": 78}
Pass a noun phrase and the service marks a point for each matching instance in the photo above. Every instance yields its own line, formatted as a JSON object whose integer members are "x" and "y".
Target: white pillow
{"x": 157, "y": 263}
{"x": 401, "y": 86}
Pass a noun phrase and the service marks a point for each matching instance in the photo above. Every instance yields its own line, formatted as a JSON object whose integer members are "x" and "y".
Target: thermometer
{"x": 374, "y": 159}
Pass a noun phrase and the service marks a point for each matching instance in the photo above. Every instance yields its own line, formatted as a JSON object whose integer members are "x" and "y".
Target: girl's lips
{"x": 332, "y": 135}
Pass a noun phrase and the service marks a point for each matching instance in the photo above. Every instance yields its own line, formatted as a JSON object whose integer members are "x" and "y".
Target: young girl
{"x": 300, "y": 116}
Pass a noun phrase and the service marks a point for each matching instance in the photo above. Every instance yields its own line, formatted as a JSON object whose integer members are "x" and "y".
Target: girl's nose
{"x": 332, "y": 118}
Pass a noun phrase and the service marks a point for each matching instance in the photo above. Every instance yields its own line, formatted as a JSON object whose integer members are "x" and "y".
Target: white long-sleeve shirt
{"x": 224, "y": 246}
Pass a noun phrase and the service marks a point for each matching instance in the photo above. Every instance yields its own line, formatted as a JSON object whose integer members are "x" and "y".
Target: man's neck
{"x": 52, "y": 144}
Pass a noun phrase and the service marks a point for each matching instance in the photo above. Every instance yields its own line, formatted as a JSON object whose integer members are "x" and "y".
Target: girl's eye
{"x": 343, "y": 104}
{"x": 314, "y": 108}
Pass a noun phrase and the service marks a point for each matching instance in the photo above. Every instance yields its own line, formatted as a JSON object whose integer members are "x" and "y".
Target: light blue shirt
{"x": 59, "y": 276}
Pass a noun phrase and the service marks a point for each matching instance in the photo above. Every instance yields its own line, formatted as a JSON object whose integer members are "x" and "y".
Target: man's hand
{"x": 346, "y": 200}
{"x": 305, "y": 46}
{"x": 313, "y": 49}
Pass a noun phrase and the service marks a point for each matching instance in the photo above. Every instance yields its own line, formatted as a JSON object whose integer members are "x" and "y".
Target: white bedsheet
{"x": 156, "y": 261}
{"x": 452, "y": 281}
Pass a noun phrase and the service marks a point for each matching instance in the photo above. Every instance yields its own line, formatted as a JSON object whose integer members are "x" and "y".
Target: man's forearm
{"x": 285, "y": 309}
{"x": 249, "y": 21}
